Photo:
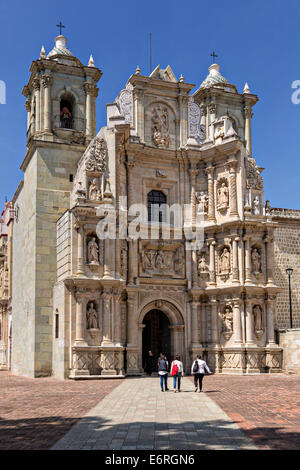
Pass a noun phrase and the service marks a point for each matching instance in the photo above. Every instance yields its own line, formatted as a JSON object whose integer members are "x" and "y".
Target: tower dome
{"x": 60, "y": 48}
{"x": 214, "y": 77}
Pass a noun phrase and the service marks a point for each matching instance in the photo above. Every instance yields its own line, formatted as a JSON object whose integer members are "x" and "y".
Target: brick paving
{"x": 266, "y": 407}
{"x": 138, "y": 416}
{"x": 35, "y": 413}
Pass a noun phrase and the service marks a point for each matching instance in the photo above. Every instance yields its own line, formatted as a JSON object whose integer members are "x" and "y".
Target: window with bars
{"x": 156, "y": 213}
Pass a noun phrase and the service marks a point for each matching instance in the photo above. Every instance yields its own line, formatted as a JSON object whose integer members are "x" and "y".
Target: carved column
{"x": 232, "y": 192}
{"x": 131, "y": 324}
{"x": 270, "y": 259}
{"x": 241, "y": 257}
{"x": 36, "y": 87}
{"x": 47, "y": 82}
{"x": 248, "y": 279}
{"x": 212, "y": 264}
{"x": 195, "y": 326}
{"x": 107, "y": 320}
{"x": 203, "y": 119}
{"x": 28, "y": 109}
{"x": 249, "y": 323}
{"x": 211, "y": 197}
{"x": 212, "y": 111}
{"x": 80, "y": 322}
{"x": 91, "y": 93}
{"x": 237, "y": 326}
{"x": 235, "y": 260}
{"x": 270, "y": 322}
{"x": 132, "y": 244}
{"x": 80, "y": 251}
{"x": 193, "y": 175}
{"x": 248, "y": 115}
{"x": 117, "y": 319}
{"x": 195, "y": 268}
{"x": 214, "y": 322}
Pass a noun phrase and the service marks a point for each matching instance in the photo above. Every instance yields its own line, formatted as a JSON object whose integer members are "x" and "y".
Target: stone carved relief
{"x": 94, "y": 190}
{"x": 222, "y": 195}
{"x": 91, "y": 316}
{"x": 253, "y": 175}
{"x": 123, "y": 256}
{"x": 227, "y": 322}
{"x": 258, "y": 320}
{"x": 125, "y": 100}
{"x": 93, "y": 251}
{"x": 195, "y": 129}
{"x": 202, "y": 202}
{"x": 256, "y": 206}
{"x": 96, "y": 162}
{"x": 202, "y": 265}
{"x": 160, "y": 126}
{"x": 167, "y": 260}
{"x": 221, "y": 129}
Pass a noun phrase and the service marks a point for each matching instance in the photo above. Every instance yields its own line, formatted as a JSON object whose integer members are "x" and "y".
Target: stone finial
{"x": 138, "y": 71}
{"x": 181, "y": 80}
{"x": 91, "y": 62}
{"x": 43, "y": 53}
{"x": 246, "y": 88}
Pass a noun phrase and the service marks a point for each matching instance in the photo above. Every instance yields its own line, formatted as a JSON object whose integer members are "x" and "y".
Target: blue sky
{"x": 256, "y": 41}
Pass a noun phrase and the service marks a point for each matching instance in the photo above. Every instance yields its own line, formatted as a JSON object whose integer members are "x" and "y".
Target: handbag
{"x": 196, "y": 367}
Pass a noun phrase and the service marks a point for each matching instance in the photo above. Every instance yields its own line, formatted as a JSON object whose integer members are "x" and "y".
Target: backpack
{"x": 174, "y": 369}
{"x": 196, "y": 367}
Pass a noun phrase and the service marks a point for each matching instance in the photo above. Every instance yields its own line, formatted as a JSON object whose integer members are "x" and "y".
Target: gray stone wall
{"x": 287, "y": 255}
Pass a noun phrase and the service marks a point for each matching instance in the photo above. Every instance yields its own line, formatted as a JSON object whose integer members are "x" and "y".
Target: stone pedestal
{"x": 289, "y": 341}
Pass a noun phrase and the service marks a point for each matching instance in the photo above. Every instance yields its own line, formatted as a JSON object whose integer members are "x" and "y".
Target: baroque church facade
{"x": 86, "y": 305}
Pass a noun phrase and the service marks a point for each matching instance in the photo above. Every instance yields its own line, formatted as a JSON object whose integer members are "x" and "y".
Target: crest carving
{"x": 196, "y": 130}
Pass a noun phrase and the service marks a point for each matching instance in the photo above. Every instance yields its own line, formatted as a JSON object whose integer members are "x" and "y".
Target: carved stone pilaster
{"x": 211, "y": 198}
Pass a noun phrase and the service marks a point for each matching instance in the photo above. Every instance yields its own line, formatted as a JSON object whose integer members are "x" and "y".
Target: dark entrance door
{"x": 156, "y": 335}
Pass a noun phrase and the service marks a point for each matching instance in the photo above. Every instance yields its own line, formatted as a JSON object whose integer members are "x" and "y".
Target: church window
{"x": 67, "y": 112}
{"x": 156, "y": 212}
{"x": 71, "y": 178}
{"x": 56, "y": 324}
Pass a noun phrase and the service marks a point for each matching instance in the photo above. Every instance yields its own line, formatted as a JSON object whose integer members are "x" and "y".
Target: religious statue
{"x": 202, "y": 264}
{"x": 256, "y": 261}
{"x": 223, "y": 196}
{"x": 256, "y": 204}
{"x": 123, "y": 261}
{"x": 160, "y": 260}
{"x": 94, "y": 192}
{"x": 92, "y": 317}
{"x": 160, "y": 126}
{"x": 225, "y": 261}
{"x": 258, "y": 320}
{"x": 228, "y": 319}
{"x": 202, "y": 201}
{"x": 93, "y": 251}
{"x": 65, "y": 118}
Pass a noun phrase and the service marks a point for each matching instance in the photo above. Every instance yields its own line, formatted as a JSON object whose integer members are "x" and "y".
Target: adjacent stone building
{"x": 97, "y": 281}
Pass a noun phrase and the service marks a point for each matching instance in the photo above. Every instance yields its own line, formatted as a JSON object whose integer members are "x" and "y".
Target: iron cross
{"x": 60, "y": 26}
{"x": 214, "y": 55}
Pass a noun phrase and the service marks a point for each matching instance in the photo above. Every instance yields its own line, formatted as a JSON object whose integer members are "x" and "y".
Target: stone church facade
{"x": 90, "y": 297}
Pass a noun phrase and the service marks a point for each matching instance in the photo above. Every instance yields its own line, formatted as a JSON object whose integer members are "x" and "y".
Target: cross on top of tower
{"x": 60, "y": 26}
{"x": 214, "y": 55}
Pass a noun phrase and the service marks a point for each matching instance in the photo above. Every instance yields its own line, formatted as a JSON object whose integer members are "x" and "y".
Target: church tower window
{"x": 67, "y": 112}
{"x": 156, "y": 213}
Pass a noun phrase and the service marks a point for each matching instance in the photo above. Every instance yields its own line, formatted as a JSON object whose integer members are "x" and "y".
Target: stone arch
{"x": 171, "y": 310}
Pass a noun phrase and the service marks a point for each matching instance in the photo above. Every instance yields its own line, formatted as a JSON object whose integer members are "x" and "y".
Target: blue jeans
{"x": 163, "y": 378}
{"x": 178, "y": 377}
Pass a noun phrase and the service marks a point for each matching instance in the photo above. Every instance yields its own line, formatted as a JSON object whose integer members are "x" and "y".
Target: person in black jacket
{"x": 149, "y": 364}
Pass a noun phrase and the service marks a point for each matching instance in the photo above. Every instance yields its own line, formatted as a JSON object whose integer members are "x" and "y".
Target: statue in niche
{"x": 219, "y": 131}
{"x": 256, "y": 206}
{"x": 94, "y": 191}
{"x": 223, "y": 196}
{"x": 256, "y": 261}
{"x": 227, "y": 318}
{"x": 202, "y": 264}
{"x": 93, "y": 251}
{"x": 225, "y": 261}
{"x": 92, "y": 317}
{"x": 202, "y": 201}
{"x": 160, "y": 260}
{"x": 258, "y": 320}
{"x": 160, "y": 126}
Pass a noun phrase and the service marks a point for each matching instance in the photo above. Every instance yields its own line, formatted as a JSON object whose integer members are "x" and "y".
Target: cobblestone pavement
{"x": 266, "y": 407}
{"x": 35, "y": 413}
{"x": 137, "y": 415}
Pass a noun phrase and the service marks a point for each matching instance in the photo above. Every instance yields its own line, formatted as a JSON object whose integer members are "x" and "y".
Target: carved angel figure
{"x": 225, "y": 261}
{"x": 202, "y": 201}
{"x": 256, "y": 261}
{"x": 160, "y": 126}
{"x": 92, "y": 317}
{"x": 223, "y": 196}
{"x": 256, "y": 204}
{"x": 258, "y": 320}
{"x": 94, "y": 192}
{"x": 93, "y": 251}
{"x": 202, "y": 264}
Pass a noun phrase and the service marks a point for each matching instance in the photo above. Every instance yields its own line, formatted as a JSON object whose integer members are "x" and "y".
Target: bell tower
{"x": 61, "y": 121}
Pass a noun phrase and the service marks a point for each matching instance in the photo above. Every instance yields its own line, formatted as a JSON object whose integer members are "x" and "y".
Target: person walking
{"x": 199, "y": 369}
{"x": 163, "y": 372}
{"x": 177, "y": 373}
{"x": 149, "y": 364}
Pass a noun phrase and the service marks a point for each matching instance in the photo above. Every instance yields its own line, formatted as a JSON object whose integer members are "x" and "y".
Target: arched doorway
{"x": 156, "y": 335}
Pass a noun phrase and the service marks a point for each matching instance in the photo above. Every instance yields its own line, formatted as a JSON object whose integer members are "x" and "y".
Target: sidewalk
{"x": 137, "y": 415}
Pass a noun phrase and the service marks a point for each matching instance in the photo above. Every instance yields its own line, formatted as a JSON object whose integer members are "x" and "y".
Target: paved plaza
{"x": 260, "y": 411}
{"x": 138, "y": 416}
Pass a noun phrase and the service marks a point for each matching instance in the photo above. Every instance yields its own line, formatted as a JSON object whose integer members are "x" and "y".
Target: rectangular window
{"x": 56, "y": 325}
